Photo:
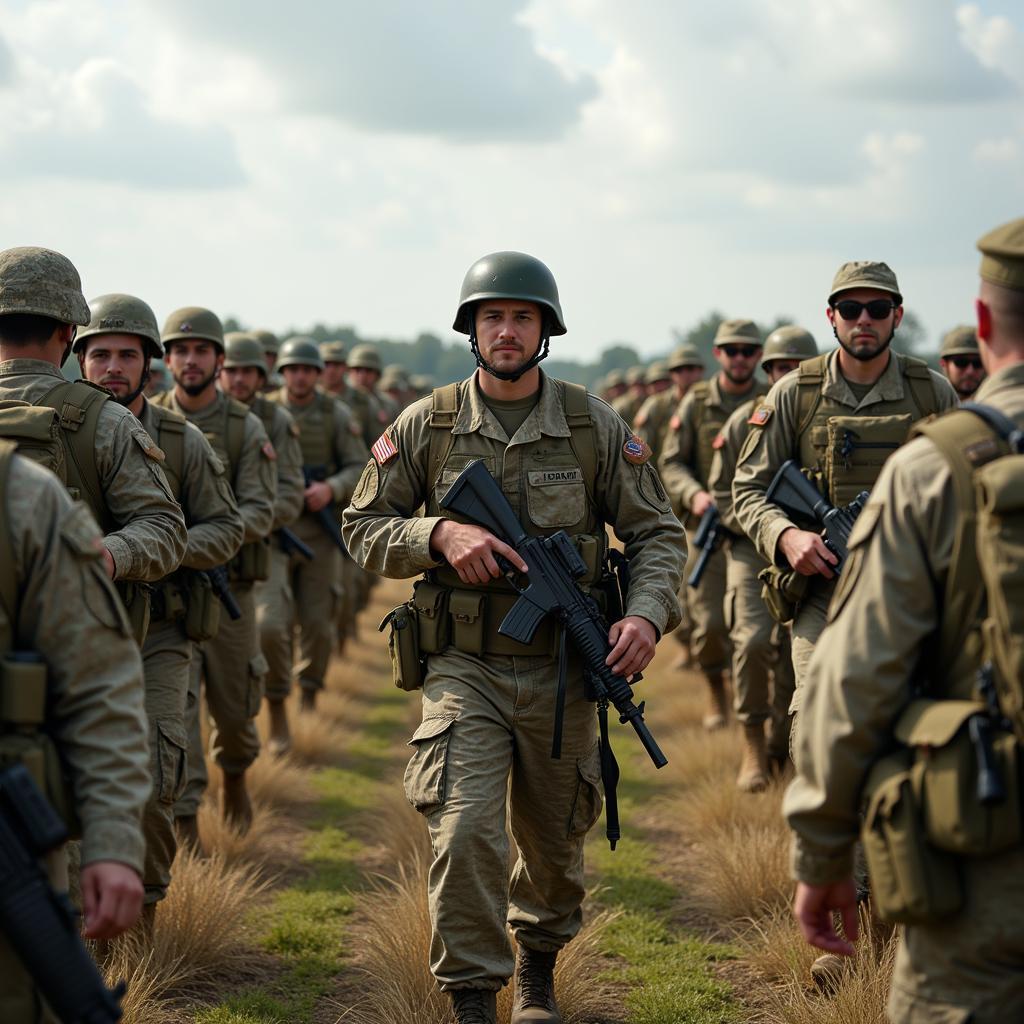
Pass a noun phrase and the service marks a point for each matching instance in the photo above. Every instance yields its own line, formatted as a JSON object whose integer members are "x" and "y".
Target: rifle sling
{"x": 556, "y": 737}
{"x": 609, "y": 778}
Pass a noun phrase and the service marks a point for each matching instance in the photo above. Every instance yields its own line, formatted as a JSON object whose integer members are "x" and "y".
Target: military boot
{"x": 307, "y": 699}
{"x": 535, "y": 989}
{"x": 718, "y": 706}
{"x": 753, "y": 776}
{"x": 474, "y": 1006}
{"x": 186, "y": 828}
{"x": 235, "y": 806}
{"x": 280, "y": 740}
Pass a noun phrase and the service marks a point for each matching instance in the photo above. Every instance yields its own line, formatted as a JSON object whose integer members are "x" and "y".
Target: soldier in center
{"x": 565, "y": 461}
{"x": 685, "y": 467}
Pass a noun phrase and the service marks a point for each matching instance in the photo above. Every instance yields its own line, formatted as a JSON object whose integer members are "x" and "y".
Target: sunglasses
{"x": 743, "y": 351}
{"x": 962, "y": 362}
{"x": 851, "y": 309}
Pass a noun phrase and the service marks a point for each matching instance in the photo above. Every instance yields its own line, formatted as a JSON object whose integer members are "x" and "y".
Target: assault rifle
{"x": 221, "y": 587}
{"x": 325, "y": 517}
{"x": 550, "y": 589}
{"x": 801, "y": 500}
{"x": 707, "y": 539}
{"x": 293, "y": 545}
{"x": 41, "y": 925}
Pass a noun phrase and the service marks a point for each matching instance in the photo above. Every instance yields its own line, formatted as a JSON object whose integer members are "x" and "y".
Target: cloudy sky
{"x": 346, "y": 162}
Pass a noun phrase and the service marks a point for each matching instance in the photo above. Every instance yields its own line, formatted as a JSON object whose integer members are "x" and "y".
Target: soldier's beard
{"x": 195, "y": 387}
{"x": 865, "y": 356}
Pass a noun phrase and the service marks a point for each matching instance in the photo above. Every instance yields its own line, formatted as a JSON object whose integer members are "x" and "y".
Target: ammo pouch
{"x": 407, "y": 667}
{"x": 136, "y": 598}
{"x": 429, "y": 605}
{"x": 202, "y": 607}
{"x": 783, "y": 591}
{"x": 947, "y": 760}
{"x": 857, "y": 448}
{"x": 252, "y": 563}
{"x": 23, "y": 679}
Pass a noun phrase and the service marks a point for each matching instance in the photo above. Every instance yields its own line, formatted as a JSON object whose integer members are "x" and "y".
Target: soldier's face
{"x": 508, "y": 333}
{"x": 115, "y": 362}
{"x": 658, "y": 386}
{"x": 241, "y": 382}
{"x": 864, "y": 337}
{"x": 194, "y": 364}
{"x": 739, "y": 361}
{"x": 363, "y": 377}
{"x": 334, "y": 376}
{"x": 300, "y": 381}
{"x": 684, "y": 377}
{"x": 964, "y": 372}
{"x": 778, "y": 368}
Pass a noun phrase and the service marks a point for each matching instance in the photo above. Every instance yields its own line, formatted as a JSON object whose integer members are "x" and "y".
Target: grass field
{"x": 319, "y": 915}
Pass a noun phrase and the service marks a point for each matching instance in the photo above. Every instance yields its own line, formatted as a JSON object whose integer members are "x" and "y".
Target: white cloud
{"x": 997, "y": 151}
{"x": 995, "y": 41}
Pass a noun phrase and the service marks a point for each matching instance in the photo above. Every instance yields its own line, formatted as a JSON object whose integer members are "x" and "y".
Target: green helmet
{"x": 242, "y": 348}
{"x": 193, "y": 322}
{"x": 333, "y": 351}
{"x": 41, "y": 282}
{"x": 121, "y": 314}
{"x": 685, "y": 355}
{"x": 655, "y": 372}
{"x": 364, "y": 357}
{"x": 789, "y": 342}
{"x": 267, "y": 339}
{"x": 509, "y": 275}
{"x": 300, "y": 351}
{"x": 737, "y": 332}
{"x": 961, "y": 341}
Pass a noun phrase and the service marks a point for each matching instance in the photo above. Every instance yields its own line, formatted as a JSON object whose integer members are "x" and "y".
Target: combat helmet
{"x": 789, "y": 342}
{"x": 300, "y": 351}
{"x": 960, "y": 341}
{"x": 509, "y": 275}
{"x": 333, "y": 351}
{"x": 657, "y": 371}
{"x": 118, "y": 313}
{"x": 243, "y": 348}
{"x": 364, "y": 357}
{"x": 269, "y": 341}
{"x": 41, "y": 282}
{"x": 193, "y": 322}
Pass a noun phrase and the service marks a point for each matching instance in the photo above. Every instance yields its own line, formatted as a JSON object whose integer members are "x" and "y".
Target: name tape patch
{"x": 539, "y": 477}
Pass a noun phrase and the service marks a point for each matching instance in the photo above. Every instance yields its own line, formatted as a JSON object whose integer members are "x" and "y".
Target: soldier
{"x": 78, "y": 709}
{"x": 685, "y": 465}
{"x": 159, "y": 377}
{"x": 271, "y": 346}
{"x": 627, "y": 405}
{"x": 333, "y": 456}
{"x": 906, "y": 621}
{"x": 394, "y": 384}
{"x": 839, "y": 416}
{"x": 489, "y": 703}
{"x": 243, "y": 376}
{"x": 114, "y": 351}
{"x": 334, "y": 379}
{"x": 614, "y": 386}
{"x": 364, "y": 372}
{"x": 762, "y": 667}
{"x": 685, "y": 368}
{"x": 961, "y": 362}
{"x": 230, "y": 663}
{"x": 104, "y": 456}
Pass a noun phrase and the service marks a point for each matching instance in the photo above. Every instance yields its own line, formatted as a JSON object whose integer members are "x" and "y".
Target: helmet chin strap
{"x": 510, "y": 375}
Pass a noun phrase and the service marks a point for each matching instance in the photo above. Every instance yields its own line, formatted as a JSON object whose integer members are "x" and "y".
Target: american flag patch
{"x": 384, "y": 449}
{"x": 761, "y": 415}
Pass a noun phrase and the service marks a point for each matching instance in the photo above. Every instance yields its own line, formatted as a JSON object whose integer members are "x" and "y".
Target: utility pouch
{"x": 783, "y": 591}
{"x": 430, "y": 602}
{"x": 202, "y": 611}
{"x": 857, "y": 448}
{"x": 252, "y": 563}
{"x": 135, "y": 597}
{"x": 403, "y": 647}
{"x": 938, "y": 732}
{"x": 467, "y": 611}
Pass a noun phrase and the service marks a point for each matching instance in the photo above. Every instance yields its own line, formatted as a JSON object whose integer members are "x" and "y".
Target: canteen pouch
{"x": 430, "y": 603}
{"x": 467, "y": 611}
{"x": 135, "y": 597}
{"x": 857, "y": 448}
{"x": 252, "y": 563}
{"x": 403, "y": 647}
{"x": 202, "y": 611}
{"x": 782, "y": 592}
{"x": 954, "y": 819}
{"x": 911, "y": 881}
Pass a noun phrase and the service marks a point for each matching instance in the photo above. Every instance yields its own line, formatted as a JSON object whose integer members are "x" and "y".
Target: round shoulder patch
{"x": 636, "y": 450}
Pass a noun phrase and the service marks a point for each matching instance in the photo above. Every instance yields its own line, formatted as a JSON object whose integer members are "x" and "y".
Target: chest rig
{"x": 708, "y": 419}
{"x": 317, "y": 428}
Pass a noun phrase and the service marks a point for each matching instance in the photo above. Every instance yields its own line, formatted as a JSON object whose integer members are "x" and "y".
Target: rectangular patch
{"x": 540, "y": 477}
{"x": 760, "y": 416}
{"x": 384, "y": 449}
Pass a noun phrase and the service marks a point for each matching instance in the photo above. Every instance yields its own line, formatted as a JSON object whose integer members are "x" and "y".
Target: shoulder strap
{"x": 582, "y": 436}
{"x": 919, "y": 381}
{"x": 700, "y": 392}
{"x": 444, "y": 410}
{"x": 811, "y": 375}
{"x": 234, "y": 435}
{"x": 8, "y": 594}
{"x": 171, "y": 439}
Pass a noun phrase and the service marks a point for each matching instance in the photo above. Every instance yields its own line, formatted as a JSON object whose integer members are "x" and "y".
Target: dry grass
{"x": 318, "y": 737}
{"x": 397, "y": 832}
{"x": 149, "y": 979}
{"x": 274, "y": 783}
{"x": 269, "y": 842}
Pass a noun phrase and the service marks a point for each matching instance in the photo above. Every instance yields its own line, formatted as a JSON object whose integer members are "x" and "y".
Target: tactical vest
{"x": 264, "y": 410}
{"x": 317, "y": 426}
{"x": 708, "y": 420}
{"x": 845, "y": 450}
{"x": 170, "y": 438}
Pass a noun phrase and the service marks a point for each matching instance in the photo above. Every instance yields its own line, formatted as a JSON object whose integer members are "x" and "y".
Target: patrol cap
{"x": 299, "y": 351}
{"x": 193, "y": 322}
{"x": 657, "y": 371}
{"x": 364, "y": 357}
{"x": 789, "y": 342}
{"x": 242, "y": 348}
{"x": 508, "y": 275}
{"x": 737, "y": 332}
{"x": 333, "y": 351}
{"x": 118, "y": 313}
{"x": 268, "y": 339}
{"x": 1002, "y": 255}
{"x": 960, "y": 341}
{"x": 684, "y": 355}
{"x": 41, "y": 282}
{"x": 865, "y": 274}
{"x": 635, "y": 375}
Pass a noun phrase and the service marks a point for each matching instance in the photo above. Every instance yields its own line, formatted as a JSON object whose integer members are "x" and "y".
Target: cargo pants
{"x": 709, "y": 638}
{"x": 485, "y": 743}
{"x": 808, "y": 626}
{"x": 275, "y": 620}
{"x": 230, "y": 670}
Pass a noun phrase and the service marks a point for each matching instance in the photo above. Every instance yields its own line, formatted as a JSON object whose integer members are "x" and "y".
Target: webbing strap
{"x": 171, "y": 439}
{"x": 582, "y": 436}
{"x": 234, "y": 432}
{"x": 8, "y": 594}
{"x": 443, "y": 413}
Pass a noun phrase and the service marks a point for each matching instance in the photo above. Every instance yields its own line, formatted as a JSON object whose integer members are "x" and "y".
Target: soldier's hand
{"x": 633, "y": 639}
{"x": 318, "y": 495}
{"x": 806, "y": 552}
{"x": 472, "y": 551}
{"x": 701, "y": 502}
{"x": 813, "y": 909}
{"x": 111, "y": 898}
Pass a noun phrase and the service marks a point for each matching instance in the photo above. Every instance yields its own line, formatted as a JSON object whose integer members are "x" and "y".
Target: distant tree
{"x": 911, "y": 338}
